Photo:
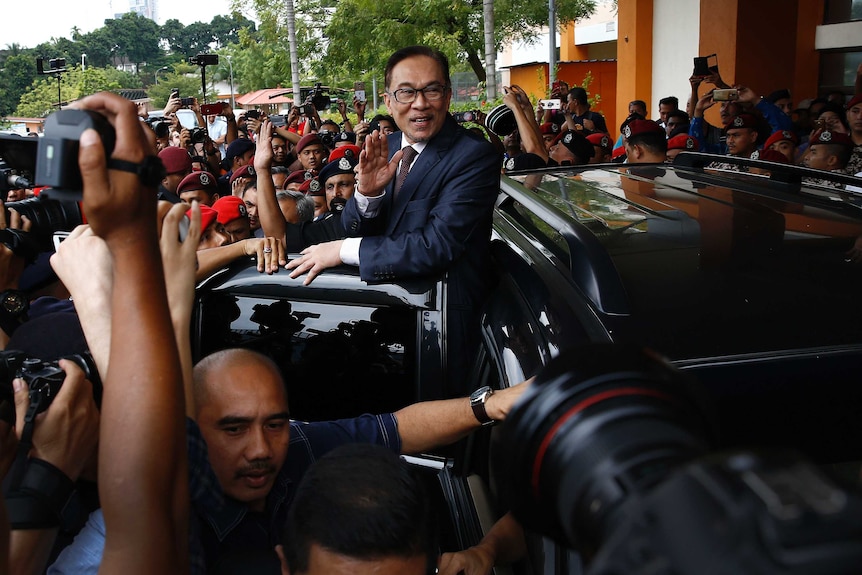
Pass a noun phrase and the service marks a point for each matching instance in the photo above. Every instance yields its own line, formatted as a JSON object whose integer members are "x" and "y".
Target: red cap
{"x": 298, "y": 177}
{"x": 857, "y": 99}
{"x": 780, "y": 136}
{"x": 348, "y": 151}
{"x": 230, "y": 208}
{"x": 549, "y": 128}
{"x": 835, "y": 138}
{"x": 307, "y": 140}
{"x": 246, "y": 171}
{"x": 639, "y": 127}
{"x": 742, "y": 121}
{"x": 768, "y": 155}
{"x": 176, "y": 160}
{"x": 208, "y": 216}
{"x": 600, "y": 139}
{"x": 683, "y": 142}
{"x": 198, "y": 181}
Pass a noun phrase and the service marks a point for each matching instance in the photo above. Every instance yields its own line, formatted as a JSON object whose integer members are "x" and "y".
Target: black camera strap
{"x": 25, "y": 444}
{"x": 46, "y": 498}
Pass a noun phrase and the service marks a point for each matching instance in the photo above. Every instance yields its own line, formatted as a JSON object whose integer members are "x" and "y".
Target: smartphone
{"x": 211, "y": 109}
{"x": 554, "y": 104}
{"x": 359, "y": 91}
{"x": 556, "y": 87}
{"x": 705, "y": 65}
{"x": 727, "y": 95}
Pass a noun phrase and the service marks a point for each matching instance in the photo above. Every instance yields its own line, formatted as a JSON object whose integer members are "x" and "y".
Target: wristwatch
{"x": 477, "y": 404}
{"x": 14, "y": 306}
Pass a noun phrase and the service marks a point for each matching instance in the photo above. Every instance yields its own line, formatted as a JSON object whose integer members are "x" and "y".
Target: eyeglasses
{"x": 431, "y": 93}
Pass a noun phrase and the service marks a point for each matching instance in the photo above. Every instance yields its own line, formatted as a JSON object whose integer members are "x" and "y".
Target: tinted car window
{"x": 337, "y": 360}
{"x": 712, "y": 271}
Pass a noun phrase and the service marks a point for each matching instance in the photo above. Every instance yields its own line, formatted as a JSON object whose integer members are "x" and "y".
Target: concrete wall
{"x": 675, "y": 42}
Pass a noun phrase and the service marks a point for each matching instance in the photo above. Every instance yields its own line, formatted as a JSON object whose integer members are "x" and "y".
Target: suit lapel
{"x": 422, "y": 167}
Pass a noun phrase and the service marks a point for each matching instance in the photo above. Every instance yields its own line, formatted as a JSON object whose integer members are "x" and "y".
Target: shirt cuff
{"x": 368, "y": 207}
{"x": 350, "y": 251}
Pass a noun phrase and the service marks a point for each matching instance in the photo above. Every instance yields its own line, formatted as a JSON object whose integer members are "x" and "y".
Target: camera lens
{"x": 598, "y": 424}
{"x": 48, "y": 216}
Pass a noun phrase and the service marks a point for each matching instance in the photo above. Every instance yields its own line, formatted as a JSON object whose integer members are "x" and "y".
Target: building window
{"x": 838, "y": 11}
{"x": 838, "y": 71}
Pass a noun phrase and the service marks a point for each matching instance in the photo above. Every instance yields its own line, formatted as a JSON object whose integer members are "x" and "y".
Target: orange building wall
{"x": 634, "y": 53}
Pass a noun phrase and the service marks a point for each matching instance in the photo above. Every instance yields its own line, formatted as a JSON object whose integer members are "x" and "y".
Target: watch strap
{"x": 477, "y": 403}
{"x": 151, "y": 171}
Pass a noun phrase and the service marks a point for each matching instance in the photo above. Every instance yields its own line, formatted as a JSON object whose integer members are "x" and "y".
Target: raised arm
{"x": 143, "y": 475}
{"x": 271, "y": 219}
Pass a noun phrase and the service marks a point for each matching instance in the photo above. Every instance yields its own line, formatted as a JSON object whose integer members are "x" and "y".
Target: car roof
{"x": 709, "y": 264}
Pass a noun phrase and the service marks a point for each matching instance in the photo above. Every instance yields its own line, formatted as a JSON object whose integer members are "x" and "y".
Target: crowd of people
{"x": 821, "y": 134}
{"x": 198, "y": 467}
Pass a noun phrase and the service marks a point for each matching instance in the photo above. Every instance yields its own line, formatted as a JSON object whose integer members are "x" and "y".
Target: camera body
{"x": 43, "y": 378}
{"x": 204, "y": 60}
{"x": 253, "y": 114}
{"x": 319, "y": 97}
{"x": 328, "y": 138}
{"x": 199, "y": 135}
{"x": 57, "y": 153}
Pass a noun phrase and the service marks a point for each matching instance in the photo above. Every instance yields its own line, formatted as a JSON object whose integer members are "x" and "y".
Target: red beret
{"x": 600, "y": 139}
{"x": 230, "y": 208}
{"x": 780, "y": 136}
{"x": 176, "y": 160}
{"x": 768, "y": 155}
{"x": 198, "y": 181}
{"x": 298, "y": 177}
{"x": 683, "y": 142}
{"x": 305, "y": 188}
{"x": 246, "y": 171}
{"x": 549, "y": 128}
{"x": 742, "y": 121}
{"x": 835, "y": 138}
{"x": 857, "y": 99}
{"x": 307, "y": 140}
{"x": 639, "y": 127}
{"x": 208, "y": 216}
{"x": 348, "y": 151}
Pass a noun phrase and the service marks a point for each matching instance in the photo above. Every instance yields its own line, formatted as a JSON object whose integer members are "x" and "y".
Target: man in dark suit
{"x": 440, "y": 218}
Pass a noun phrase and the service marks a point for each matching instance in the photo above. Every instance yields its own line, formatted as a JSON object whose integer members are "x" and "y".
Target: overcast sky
{"x": 29, "y": 22}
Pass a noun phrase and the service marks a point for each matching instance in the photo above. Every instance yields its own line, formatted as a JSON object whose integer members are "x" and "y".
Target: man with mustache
{"x": 246, "y": 458}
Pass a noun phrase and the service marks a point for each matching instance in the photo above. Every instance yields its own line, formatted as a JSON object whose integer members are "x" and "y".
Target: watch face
{"x": 13, "y": 302}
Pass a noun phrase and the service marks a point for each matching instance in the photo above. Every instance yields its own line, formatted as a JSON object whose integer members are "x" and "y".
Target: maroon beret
{"x": 246, "y": 171}
{"x": 176, "y": 160}
{"x": 682, "y": 142}
{"x": 307, "y": 140}
{"x": 198, "y": 181}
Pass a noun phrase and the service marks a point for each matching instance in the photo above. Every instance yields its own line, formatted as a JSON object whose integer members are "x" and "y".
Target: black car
{"x": 739, "y": 279}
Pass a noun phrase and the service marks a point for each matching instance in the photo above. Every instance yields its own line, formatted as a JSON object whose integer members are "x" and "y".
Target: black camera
{"x": 57, "y": 155}
{"x": 609, "y": 453}
{"x": 319, "y": 97}
{"x": 55, "y": 66}
{"x": 161, "y": 127}
{"x": 328, "y": 138}
{"x": 470, "y": 116}
{"x": 204, "y": 60}
{"x": 43, "y": 378}
{"x": 253, "y": 115}
{"x": 199, "y": 135}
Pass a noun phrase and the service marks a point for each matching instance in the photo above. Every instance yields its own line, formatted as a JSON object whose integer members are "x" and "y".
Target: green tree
{"x": 184, "y": 77}
{"x": 17, "y": 73}
{"x": 135, "y": 38}
{"x": 453, "y": 27}
{"x": 41, "y": 98}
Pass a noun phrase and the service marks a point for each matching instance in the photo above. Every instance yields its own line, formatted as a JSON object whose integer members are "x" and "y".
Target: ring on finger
{"x": 267, "y": 250}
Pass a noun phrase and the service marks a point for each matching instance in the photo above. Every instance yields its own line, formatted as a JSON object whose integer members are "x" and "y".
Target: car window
{"x": 337, "y": 360}
{"x": 714, "y": 267}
